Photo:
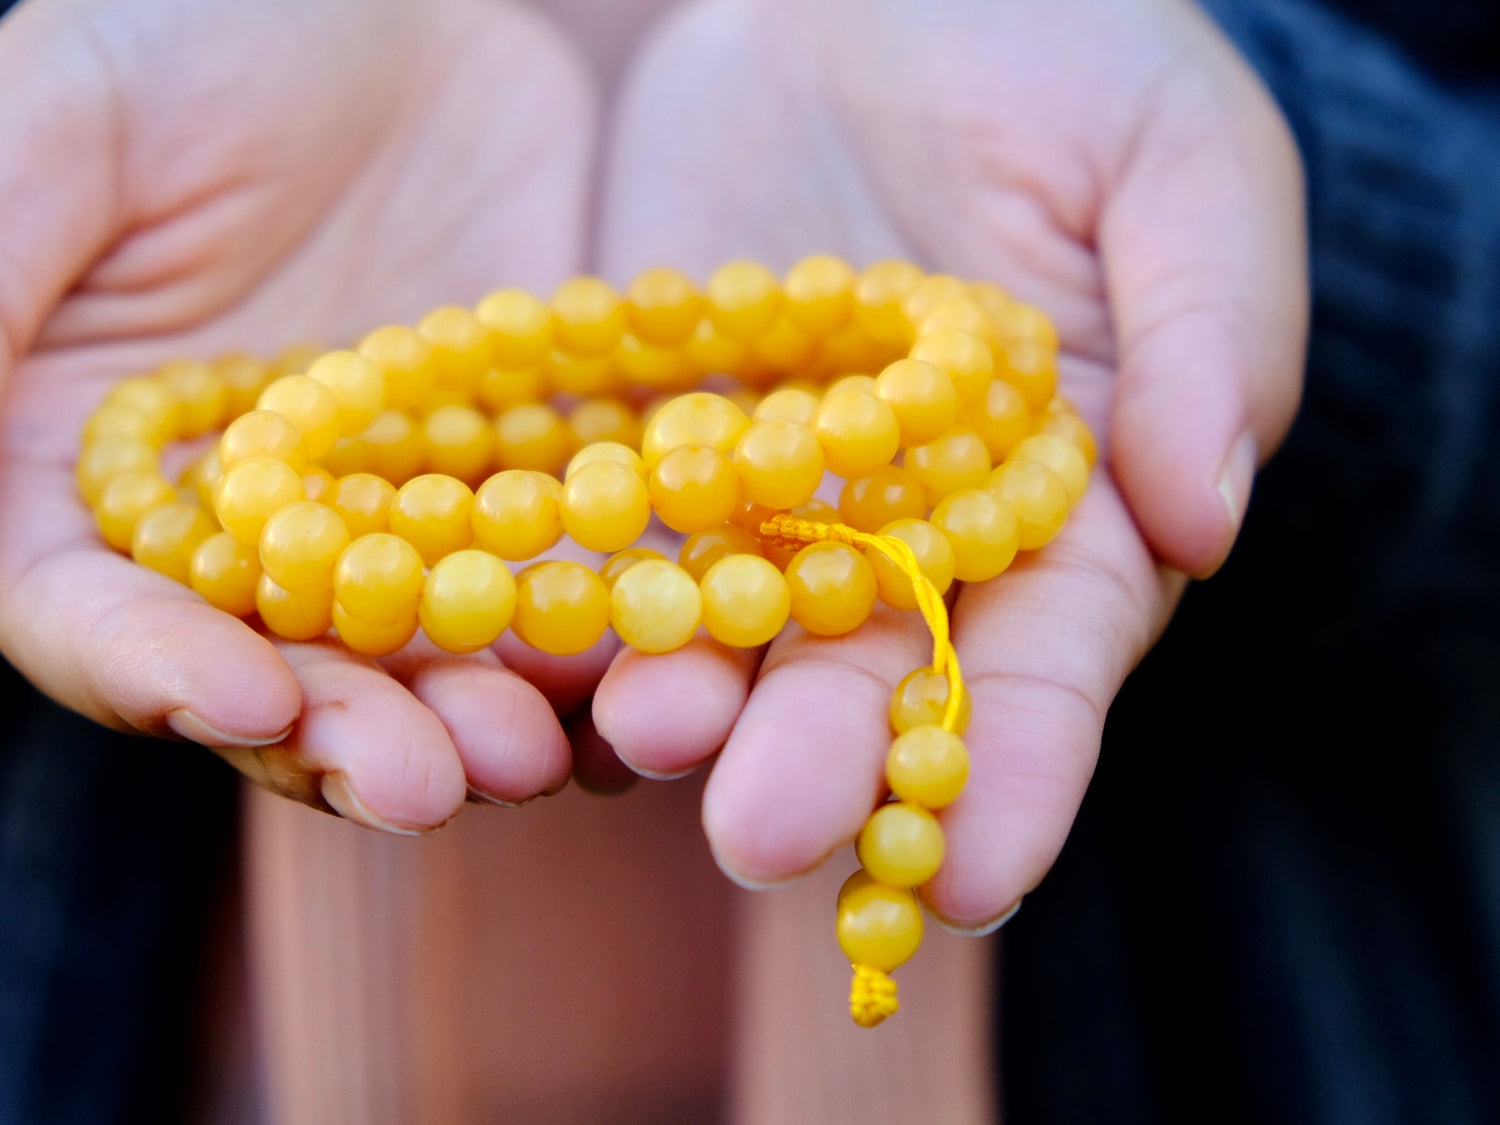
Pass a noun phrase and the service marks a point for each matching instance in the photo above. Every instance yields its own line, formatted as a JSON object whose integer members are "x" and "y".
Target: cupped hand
{"x": 186, "y": 179}
{"x": 1114, "y": 163}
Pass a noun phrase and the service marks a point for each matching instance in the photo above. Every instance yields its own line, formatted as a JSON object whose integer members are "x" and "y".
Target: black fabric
{"x": 1284, "y": 887}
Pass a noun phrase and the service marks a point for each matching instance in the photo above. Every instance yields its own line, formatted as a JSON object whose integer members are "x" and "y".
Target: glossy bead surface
{"x": 379, "y": 579}
{"x": 533, "y": 436}
{"x": 901, "y": 845}
{"x": 983, "y": 530}
{"x": 746, "y": 600}
{"x": 588, "y": 316}
{"x": 858, "y": 432}
{"x": 225, "y": 572}
{"x": 309, "y": 406}
{"x": 363, "y": 502}
{"x": 699, "y": 418}
{"x": 793, "y": 404}
{"x": 103, "y": 460}
{"x": 606, "y": 451}
{"x": 459, "y": 442}
{"x": 520, "y": 326}
{"x": 461, "y": 348}
{"x": 779, "y": 463}
{"x": 604, "y": 419}
{"x": 562, "y": 607}
{"x": 201, "y": 393}
{"x": 157, "y": 409}
{"x": 166, "y": 537}
{"x": 927, "y": 766}
{"x": 605, "y": 506}
{"x": 832, "y": 588}
{"x": 819, "y": 292}
{"x": 621, "y": 561}
{"x": 358, "y": 386}
{"x": 694, "y": 488}
{"x": 879, "y": 926}
{"x": 889, "y": 493}
{"x": 956, "y": 460}
{"x": 296, "y": 617}
{"x": 515, "y": 514}
{"x": 879, "y": 295}
{"x": 967, "y": 358}
{"x": 431, "y": 512}
{"x": 262, "y": 433}
{"x": 701, "y": 550}
{"x": 407, "y": 361}
{"x": 1070, "y": 427}
{"x": 655, "y": 606}
{"x": 1038, "y": 498}
{"x": 251, "y": 491}
{"x": 922, "y": 396}
{"x": 370, "y": 638}
{"x": 743, "y": 299}
{"x": 467, "y": 602}
{"x": 300, "y": 544}
{"x": 921, "y": 699}
{"x": 934, "y": 556}
{"x": 663, "y": 306}
{"x": 1001, "y": 419}
{"x": 1062, "y": 457}
{"x": 1032, "y": 369}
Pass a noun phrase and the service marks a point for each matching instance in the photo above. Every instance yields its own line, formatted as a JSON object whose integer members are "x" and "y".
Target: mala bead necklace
{"x": 380, "y": 489}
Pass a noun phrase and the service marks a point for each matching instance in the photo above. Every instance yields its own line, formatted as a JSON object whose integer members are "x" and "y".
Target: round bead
{"x": 318, "y": 484}
{"x": 958, "y": 316}
{"x": 819, "y": 294}
{"x": 158, "y": 410}
{"x": 103, "y": 460}
{"x": 378, "y": 579}
{"x": 901, "y": 845}
{"x": 889, "y": 493}
{"x": 878, "y": 926}
{"x": 363, "y": 502}
{"x": 296, "y": 617}
{"x": 1070, "y": 427}
{"x": 1032, "y": 369}
{"x": 262, "y": 433}
{"x": 501, "y": 388}
{"x": 1001, "y": 419}
{"x": 858, "y": 382}
{"x": 431, "y": 512}
{"x": 585, "y": 375}
{"x": 922, "y": 396}
{"x": 604, "y": 419}
{"x": 370, "y": 638}
{"x": 201, "y": 393}
{"x": 621, "y": 561}
{"x": 588, "y": 316}
{"x": 115, "y": 421}
{"x": 746, "y": 600}
{"x": 562, "y": 607}
{"x": 520, "y": 327}
{"x": 931, "y": 291}
{"x": 878, "y": 298}
{"x": 166, "y": 537}
{"x": 300, "y": 545}
{"x": 967, "y": 358}
{"x": 250, "y": 491}
{"x": 1062, "y": 457}
{"x": 934, "y": 557}
{"x": 1028, "y": 324}
{"x": 859, "y": 433}
{"x": 244, "y": 378}
{"x": 927, "y": 766}
{"x": 607, "y": 451}
{"x": 663, "y": 307}
{"x": 461, "y": 350}
{"x": 515, "y": 514}
{"x": 533, "y": 436}
{"x": 699, "y": 418}
{"x": 459, "y": 442}
{"x": 743, "y": 299}
{"x": 983, "y": 530}
{"x": 605, "y": 506}
{"x": 207, "y": 472}
{"x": 955, "y": 461}
{"x": 793, "y": 404}
{"x": 468, "y": 600}
{"x": 694, "y": 488}
{"x": 309, "y": 406}
{"x": 357, "y": 384}
{"x": 1038, "y": 498}
{"x": 921, "y": 699}
{"x": 701, "y": 550}
{"x": 780, "y": 464}
{"x": 407, "y": 361}
{"x": 655, "y": 606}
{"x": 225, "y": 572}
{"x": 832, "y": 588}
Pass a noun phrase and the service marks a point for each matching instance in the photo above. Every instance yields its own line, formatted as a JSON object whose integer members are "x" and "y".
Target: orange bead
{"x": 460, "y": 442}
{"x": 356, "y": 382}
{"x": 106, "y": 458}
{"x": 621, "y": 561}
{"x": 746, "y": 600}
{"x": 533, "y": 436}
{"x": 1062, "y": 457}
{"x": 790, "y": 403}
{"x": 780, "y": 464}
{"x": 370, "y": 638}
{"x": 363, "y": 502}
{"x": 832, "y": 588}
{"x": 934, "y": 555}
{"x": 655, "y": 606}
{"x": 378, "y": 579}
{"x": 604, "y": 419}
{"x": 393, "y": 447}
{"x": 933, "y": 290}
{"x": 431, "y": 512}
{"x": 701, "y": 550}
{"x": 166, "y": 537}
{"x": 921, "y": 699}
{"x": 694, "y": 488}
{"x": 663, "y": 307}
{"x": 562, "y": 607}
{"x": 201, "y": 392}
{"x": 467, "y": 601}
{"x": 262, "y": 433}
{"x": 515, "y": 514}
{"x": 1031, "y": 369}
{"x": 501, "y": 388}
{"x": 889, "y": 493}
{"x": 296, "y": 617}
{"x": 605, "y": 506}
{"x": 309, "y": 406}
{"x": 1070, "y": 427}
{"x": 225, "y": 572}
{"x": 582, "y": 375}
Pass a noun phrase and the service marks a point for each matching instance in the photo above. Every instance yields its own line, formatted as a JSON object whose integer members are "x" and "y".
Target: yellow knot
{"x": 872, "y": 996}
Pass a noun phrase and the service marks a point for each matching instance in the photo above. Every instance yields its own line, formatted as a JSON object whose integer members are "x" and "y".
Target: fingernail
{"x": 191, "y": 727}
{"x": 983, "y": 928}
{"x": 480, "y": 797}
{"x": 1236, "y": 477}
{"x": 742, "y": 880}
{"x": 336, "y": 791}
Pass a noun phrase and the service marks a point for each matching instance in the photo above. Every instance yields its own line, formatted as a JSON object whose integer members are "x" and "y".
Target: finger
{"x": 363, "y": 746}
{"x": 1203, "y": 243}
{"x": 1043, "y": 649}
{"x": 566, "y": 682}
{"x": 666, "y": 715}
{"x": 802, "y": 769}
{"x": 507, "y": 736}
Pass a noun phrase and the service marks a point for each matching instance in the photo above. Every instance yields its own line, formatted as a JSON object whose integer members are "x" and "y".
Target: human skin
{"x": 1114, "y": 163}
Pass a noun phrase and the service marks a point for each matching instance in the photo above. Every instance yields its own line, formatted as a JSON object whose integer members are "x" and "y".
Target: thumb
{"x": 1204, "y": 249}
{"x": 57, "y": 178}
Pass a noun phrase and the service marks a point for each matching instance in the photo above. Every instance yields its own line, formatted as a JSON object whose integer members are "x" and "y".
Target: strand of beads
{"x": 384, "y": 488}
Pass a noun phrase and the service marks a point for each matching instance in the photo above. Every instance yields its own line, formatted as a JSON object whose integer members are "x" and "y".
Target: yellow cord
{"x": 872, "y": 996}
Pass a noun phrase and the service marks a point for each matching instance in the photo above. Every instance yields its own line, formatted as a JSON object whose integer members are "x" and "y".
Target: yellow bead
{"x": 1036, "y": 495}
{"x": 704, "y": 548}
{"x": 663, "y": 307}
{"x": 931, "y": 291}
{"x": 783, "y": 346}
{"x": 294, "y": 359}
{"x": 244, "y": 378}
{"x": 262, "y": 433}
{"x": 350, "y": 455}
{"x": 992, "y": 299}
{"x": 166, "y": 537}
{"x": 317, "y": 484}
{"x": 878, "y": 299}
{"x": 583, "y": 375}
{"x": 300, "y": 544}
{"x": 520, "y": 327}
{"x": 357, "y": 384}
{"x": 604, "y": 419}
{"x": 710, "y": 351}
{"x": 515, "y": 514}
{"x": 1070, "y": 427}
{"x": 878, "y": 926}
{"x": 865, "y": 384}
{"x": 407, "y": 360}
{"x": 780, "y": 463}
{"x": 983, "y": 530}
{"x": 859, "y": 433}
{"x": 792, "y": 404}
{"x": 889, "y": 493}
{"x": 1001, "y": 419}
{"x": 851, "y": 349}
{"x": 1032, "y": 370}
{"x": 927, "y": 766}
{"x": 113, "y": 420}
{"x": 363, "y": 502}
{"x": 607, "y": 451}
{"x": 922, "y": 396}
{"x": 640, "y": 364}
{"x": 562, "y": 607}
{"x": 201, "y": 393}
{"x": 621, "y": 561}
{"x": 820, "y": 294}
{"x": 533, "y": 436}
{"x": 605, "y": 506}
{"x": 460, "y": 442}
{"x": 655, "y": 606}
{"x": 394, "y": 447}
{"x": 309, "y": 406}
{"x": 208, "y": 470}
{"x": 379, "y": 580}
{"x": 967, "y": 358}
{"x": 369, "y": 638}
{"x": 158, "y": 407}
{"x": 934, "y": 556}
{"x": 431, "y": 512}
{"x": 958, "y": 316}
{"x": 746, "y": 600}
{"x": 251, "y": 491}
{"x": 1062, "y": 457}
{"x": 694, "y": 488}
{"x": 225, "y": 572}
{"x": 743, "y": 299}
{"x": 296, "y": 617}
{"x": 501, "y": 388}
{"x": 1029, "y": 325}
{"x": 832, "y": 588}
{"x": 921, "y": 699}
{"x": 469, "y": 599}
{"x": 699, "y": 418}
{"x": 461, "y": 350}
{"x": 588, "y": 316}
{"x": 955, "y": 461}
{"x": 106, "y": 458}
{"x": 901, "y": 845}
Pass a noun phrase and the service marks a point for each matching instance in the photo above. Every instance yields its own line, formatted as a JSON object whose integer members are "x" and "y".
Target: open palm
{"x": 1113, "y": 163}
{"x": 183, "y": 179}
